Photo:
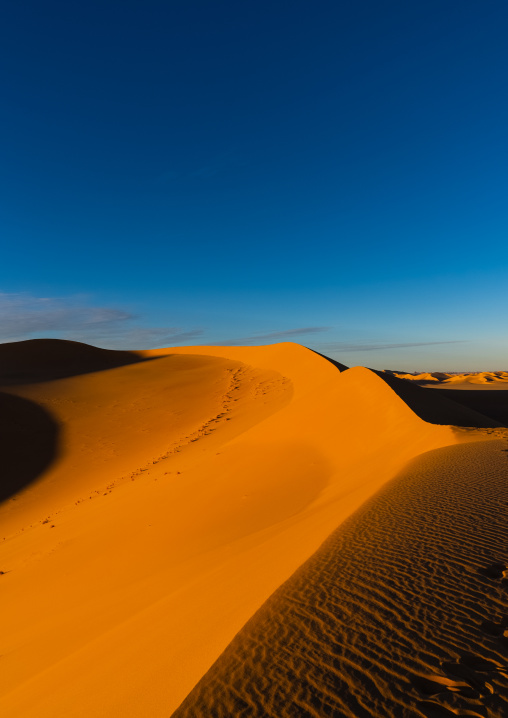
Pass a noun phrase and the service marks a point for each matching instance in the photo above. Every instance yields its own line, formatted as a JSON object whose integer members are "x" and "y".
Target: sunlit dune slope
{"x": 486, "y": 377}
{"x": 425, "y": 376}
{"x": 401, "y": 613}
{"x": 179, "y": 494}
{"x": 112, "y": 423}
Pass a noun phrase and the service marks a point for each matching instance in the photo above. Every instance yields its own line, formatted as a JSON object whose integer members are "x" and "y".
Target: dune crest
{"x": 186, "y": 491}
{"x": 36, "y": 360}
{"x": 485, "y": 377}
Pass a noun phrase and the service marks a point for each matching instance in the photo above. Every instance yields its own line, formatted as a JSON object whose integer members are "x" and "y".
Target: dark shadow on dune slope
{"x": 340, "y": 367}
{"x": 438, "y": 408}
{"x": 37, "y": 360}
{"x": 28, "y": 443}
{"x": 448, "y": 406}
{"x": 490, "y": 402}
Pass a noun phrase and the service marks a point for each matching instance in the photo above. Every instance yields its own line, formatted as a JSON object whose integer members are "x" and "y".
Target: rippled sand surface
{"x": 163, "y": 515}
{"x": 402, "y": 612}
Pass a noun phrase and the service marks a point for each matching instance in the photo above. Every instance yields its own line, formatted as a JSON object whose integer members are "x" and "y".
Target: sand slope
{"x": 183, "y": 490}
{"x": 46, "y": 359}
{"x": 388, "y": 618}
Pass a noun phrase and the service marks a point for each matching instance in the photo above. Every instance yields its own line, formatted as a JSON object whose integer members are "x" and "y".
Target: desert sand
{"x": 248, "y": 531}
{"x": 464, "y": 381}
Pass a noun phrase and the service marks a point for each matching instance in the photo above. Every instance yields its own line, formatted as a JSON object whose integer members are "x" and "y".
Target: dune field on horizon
{"x": 214, "y": 531}
{"x": 253, "y": 377}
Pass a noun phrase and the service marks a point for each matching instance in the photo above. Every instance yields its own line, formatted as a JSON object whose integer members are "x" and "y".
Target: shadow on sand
{"x": 490, "y": 402}
{"x": 340, "y": 367}
{"x": 448, "y": 406}
{"x": 487, "y": 409}
{"x": 29, "y": 438}
{"x": 38, "y": 360}
{"x": 28, "y": 443}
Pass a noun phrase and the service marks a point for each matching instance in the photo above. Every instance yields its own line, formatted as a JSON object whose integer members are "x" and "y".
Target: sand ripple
{"x": 402, "y": 612}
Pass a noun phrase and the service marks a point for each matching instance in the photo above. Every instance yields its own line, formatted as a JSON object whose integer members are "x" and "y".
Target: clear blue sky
{"x": 192, "y": 172}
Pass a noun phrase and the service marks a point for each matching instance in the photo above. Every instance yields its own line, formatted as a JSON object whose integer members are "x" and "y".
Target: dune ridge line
{"x": 187, "y": 489}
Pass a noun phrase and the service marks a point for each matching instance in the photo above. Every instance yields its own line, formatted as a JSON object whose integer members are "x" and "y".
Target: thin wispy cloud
{"x": 23, "y": 316}
{"x": 141, "y": 338}
{"x": 279, "y": 336}
{"x": 345, "y": 347}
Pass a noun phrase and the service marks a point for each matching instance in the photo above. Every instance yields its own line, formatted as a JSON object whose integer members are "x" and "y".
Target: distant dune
{"x": 424, "y": 377}
{"x": 38, "y": 360}
{"x": 247, "y": 531}
{"x": 485, "y": 377}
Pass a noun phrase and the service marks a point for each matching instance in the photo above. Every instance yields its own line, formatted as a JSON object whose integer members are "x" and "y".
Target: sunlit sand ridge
{"x": 484, "y": 377}
{"x": 173, "y": 493}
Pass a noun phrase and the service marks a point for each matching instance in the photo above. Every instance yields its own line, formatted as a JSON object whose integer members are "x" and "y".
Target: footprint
{"x": 461, "y": 679}
{"x": 482, "y": 665}
{"x": 435, "y": 710}
{"x": 427, "y": 685}
{"x": 492, "y": 628}
{"x": 495, "y": 570}
{"x": 434, "y": 684}
{"x": 478, "y": 686}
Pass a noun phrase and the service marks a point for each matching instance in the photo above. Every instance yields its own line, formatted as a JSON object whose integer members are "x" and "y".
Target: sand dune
{"x": 440, "y": 407}
{"x": 37, "y": 360}
{"x": 425, "y": 376}
{"x": 388, "y": 618}
{"x": 483, "y": 393}
{"x": 175, "y": 491}
{"x": 483, "y": 378}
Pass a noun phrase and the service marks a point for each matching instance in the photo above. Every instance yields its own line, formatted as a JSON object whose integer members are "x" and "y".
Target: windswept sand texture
{"x": 402, "y": 612}
{"x": 154, "y": 502}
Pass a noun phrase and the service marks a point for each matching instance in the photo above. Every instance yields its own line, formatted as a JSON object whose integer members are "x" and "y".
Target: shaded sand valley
{"x": 228, "y": 531}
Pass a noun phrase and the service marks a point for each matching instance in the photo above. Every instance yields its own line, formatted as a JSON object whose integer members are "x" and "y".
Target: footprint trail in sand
{"x": 167, "y": 547}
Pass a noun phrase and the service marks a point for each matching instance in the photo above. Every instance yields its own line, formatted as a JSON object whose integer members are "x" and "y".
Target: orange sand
{"x": 179, "y": 493}
{"x": 485, "y": 377}
{"x": 425, "y": 376}
{"x": 401, "y": 613}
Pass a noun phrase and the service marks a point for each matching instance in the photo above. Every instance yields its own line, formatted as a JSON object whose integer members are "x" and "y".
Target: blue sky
{"x": 189, "y": 172}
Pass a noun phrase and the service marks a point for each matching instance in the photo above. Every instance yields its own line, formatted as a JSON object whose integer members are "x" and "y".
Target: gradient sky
{"x": 198, "y": 172}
